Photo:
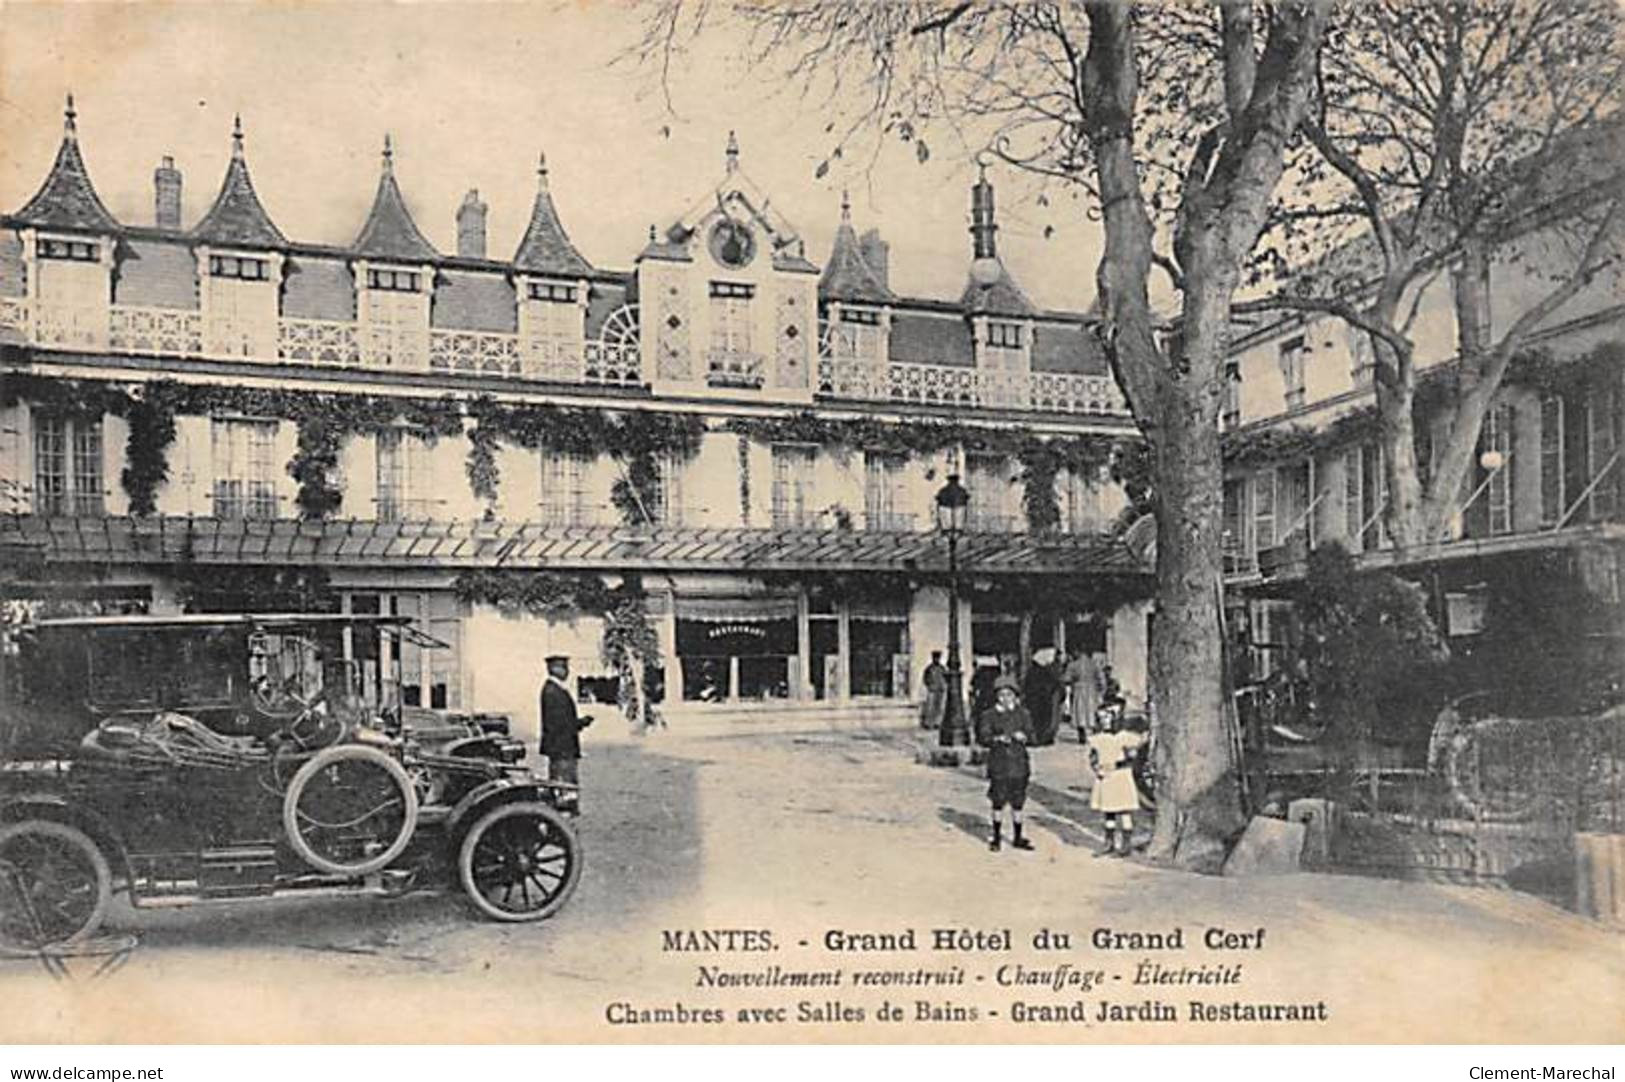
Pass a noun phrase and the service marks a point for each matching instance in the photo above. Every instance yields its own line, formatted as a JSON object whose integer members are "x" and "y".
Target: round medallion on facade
{"x": 732, "y": 244}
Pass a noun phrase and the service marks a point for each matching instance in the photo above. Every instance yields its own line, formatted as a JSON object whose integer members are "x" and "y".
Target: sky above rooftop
{"x": 471, "y": 93}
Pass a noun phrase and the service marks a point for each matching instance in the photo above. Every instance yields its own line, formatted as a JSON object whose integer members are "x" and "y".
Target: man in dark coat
{"x": 1006, "y": 730}
{"x": 1039, "y": 697}
{"x": 935, "y": 682}
{"x": 561, "y": 731}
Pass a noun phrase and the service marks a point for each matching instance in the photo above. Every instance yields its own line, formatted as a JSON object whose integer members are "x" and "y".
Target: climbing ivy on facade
{"x": 1040, "y": 458}
{"x": 629, "y": 641}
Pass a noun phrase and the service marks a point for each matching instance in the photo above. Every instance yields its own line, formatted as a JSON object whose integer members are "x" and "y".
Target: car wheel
{"x": 55, "y": 885}
{"x": 519, "y": 862}
{"x": 350, "y": 810}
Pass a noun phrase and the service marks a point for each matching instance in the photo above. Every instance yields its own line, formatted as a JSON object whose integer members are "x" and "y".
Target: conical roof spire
{"x": 732, "y": 155}
{"x": 390, "y": 232}
{"x": 237, "y": 217}
{"x": 67, "y": 199}
{"x": 546, "y": 247}
{"x": 848, "y": 275}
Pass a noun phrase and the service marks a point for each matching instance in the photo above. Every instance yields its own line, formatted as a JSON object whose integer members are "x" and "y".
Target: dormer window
{"x": 1004, "y": 335}
{"x": 864, "y": 316}
{"x": 78, "y": 251}
{"x": 733, "y": 290}
{"x": 550, "y": 291}
{"x": 397, "y": 281}
{"x": 230, "y": 266}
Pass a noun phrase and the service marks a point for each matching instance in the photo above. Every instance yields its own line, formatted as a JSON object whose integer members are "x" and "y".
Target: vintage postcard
{"x": 687, "y": 522}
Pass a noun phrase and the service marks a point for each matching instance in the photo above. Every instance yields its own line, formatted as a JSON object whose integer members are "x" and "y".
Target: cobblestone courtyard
{"x": 799, "y": 835}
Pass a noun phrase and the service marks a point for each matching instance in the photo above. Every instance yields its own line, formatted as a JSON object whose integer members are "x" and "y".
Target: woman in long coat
{"x": 1083, "y": 689}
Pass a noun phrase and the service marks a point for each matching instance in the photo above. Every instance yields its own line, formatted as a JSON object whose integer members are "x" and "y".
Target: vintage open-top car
{"x": 199, "y": 758}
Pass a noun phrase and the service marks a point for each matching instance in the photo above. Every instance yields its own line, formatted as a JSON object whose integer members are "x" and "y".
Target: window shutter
{"x": 1551, "y": 459}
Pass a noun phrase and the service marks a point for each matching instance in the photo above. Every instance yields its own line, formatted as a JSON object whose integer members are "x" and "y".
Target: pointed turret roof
{"x": 1000, "y": 297}
{"x": 67, "y": 199}
{"x": 990, "y": 289}
{"x": 390, "y": 232}
{"x": 237, "y": 216}
{"x": 848, "y": 275}
{"x": 546, "y": 247}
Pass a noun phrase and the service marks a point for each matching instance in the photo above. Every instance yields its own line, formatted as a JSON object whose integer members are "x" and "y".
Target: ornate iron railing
{"x": 734, "y": 368}
{"x": 614, "y": 358}
{"x": 162, "y": 331}
{"x": 474, "y": 352}
{"x": 318, "y": 341}
{"x": 949, "y": 385}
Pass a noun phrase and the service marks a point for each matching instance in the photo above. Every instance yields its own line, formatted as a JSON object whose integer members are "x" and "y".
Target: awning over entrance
{"x": 725, "y": 610}
{"x": 116, "y": 540}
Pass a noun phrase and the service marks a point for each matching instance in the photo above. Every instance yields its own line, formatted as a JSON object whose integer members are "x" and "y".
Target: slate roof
{"x": 546, "y": 247}
{"x": 847, "y": 275}
{"x": 67, "y": 199}
{"x": 390, "y": 232}
{"x": 458, "y": 545}
{"x": 1067, "y": 348}
{"x": 237, "y": 217}
{"x": 1000, "y": 298}
{"x": 928, "y": 339}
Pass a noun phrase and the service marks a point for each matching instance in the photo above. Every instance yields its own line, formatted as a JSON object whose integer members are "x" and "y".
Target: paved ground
{"x": 801, "y": 835}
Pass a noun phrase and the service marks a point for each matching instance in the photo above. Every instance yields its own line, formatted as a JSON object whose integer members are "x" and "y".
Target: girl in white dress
{"x": 1111, "y": 757}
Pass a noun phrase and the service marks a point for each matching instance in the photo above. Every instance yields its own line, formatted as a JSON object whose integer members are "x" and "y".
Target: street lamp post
{"x": 952, "y": 501}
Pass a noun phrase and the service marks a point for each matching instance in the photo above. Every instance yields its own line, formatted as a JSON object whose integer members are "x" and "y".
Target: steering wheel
{"x": 314, "y": 728}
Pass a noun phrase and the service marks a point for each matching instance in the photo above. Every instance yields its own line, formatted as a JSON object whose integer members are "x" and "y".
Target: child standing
{"x": 1005, "y": 729}
{"x": 1111, "y": 757}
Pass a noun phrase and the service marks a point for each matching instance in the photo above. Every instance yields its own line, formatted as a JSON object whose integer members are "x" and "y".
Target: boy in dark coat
{"x": 561, "y": 731}
{"x": 1006, "y": 730}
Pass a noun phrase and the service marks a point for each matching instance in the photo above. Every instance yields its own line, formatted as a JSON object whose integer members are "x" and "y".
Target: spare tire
{"x": 350, "y": 810}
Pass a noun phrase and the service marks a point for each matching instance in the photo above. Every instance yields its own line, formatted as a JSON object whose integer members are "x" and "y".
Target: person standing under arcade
{"x": 561, "y": 732}
{"x": 935, "y": 682}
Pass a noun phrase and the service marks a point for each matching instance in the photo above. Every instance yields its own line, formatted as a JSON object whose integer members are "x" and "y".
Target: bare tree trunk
{"x": 1454, "y": 459}
{"x": 1176, "y": 398}
{"x": 1396, "y": 425}
{"x": 1198, "y": 809}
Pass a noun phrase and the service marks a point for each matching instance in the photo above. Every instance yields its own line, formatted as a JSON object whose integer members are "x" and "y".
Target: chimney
{"x": 471, "y": 226}
{"x": 166, "y": 187}
{"x": 982, "y": 226}
{"x": 876, "y": 253}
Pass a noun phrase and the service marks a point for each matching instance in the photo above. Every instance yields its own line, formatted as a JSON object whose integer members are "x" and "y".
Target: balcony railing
{"x": 948, "y": 385}
{"x": 614, "y": 358}
{"x": 175, "y": 332}
{"x": 734, "y": 368}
